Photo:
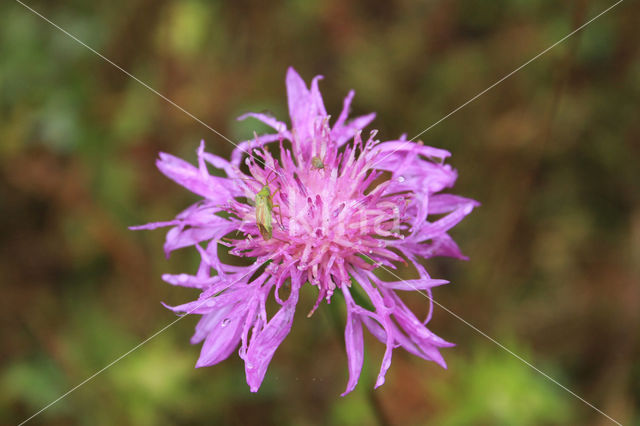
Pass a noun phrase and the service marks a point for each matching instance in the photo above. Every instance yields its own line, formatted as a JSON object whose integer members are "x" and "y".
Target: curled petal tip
{"x": 243, "y": 116}
{"x": 292, "y": 74}
{"x": 348, "y": 391}
{"x": 379, "y": 382}
{"x": 172, "y": 308}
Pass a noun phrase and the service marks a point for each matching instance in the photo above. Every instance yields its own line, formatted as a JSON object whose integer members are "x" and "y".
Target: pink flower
{"x": 340, "y": 207}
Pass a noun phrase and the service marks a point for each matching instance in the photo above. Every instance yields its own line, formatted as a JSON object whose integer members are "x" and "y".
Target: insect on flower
{"x": 375, "y": 204}
{"x": 317, "y": 163}
{"x": 264, "y": 211}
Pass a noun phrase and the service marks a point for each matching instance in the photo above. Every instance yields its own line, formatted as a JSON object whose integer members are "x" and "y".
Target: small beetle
{"x": 317, "y": 163}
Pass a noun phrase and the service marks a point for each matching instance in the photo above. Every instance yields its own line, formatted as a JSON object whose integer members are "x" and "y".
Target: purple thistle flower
{"x": 336, "y": 210}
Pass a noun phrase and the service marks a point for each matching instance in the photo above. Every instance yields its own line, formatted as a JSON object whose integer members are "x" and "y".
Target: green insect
{"x": 317, "y": 163}
{"x": 264, "y": 210}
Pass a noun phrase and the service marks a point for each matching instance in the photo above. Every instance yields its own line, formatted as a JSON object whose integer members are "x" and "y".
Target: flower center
{"x": 323, "y": 220}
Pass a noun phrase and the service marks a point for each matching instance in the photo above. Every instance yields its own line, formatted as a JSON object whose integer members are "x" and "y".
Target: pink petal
{"x": 300, "y": 105}
{"x": 442, "y": 225}
{"x": 279, "y": 126}
{"x": 346, "y": 106}
{"x": 345, "y": 133}
{"x": 316, "y": 97}
{"x": 412, "y": 285}
{"x": 245, "y": 147}
{"x": 354, "y": 343}
{"x": 211, "y": 187}
{"x": 223, "y": 338}
{"x": 263, "y": 346}
{"x": 445, "y": 203}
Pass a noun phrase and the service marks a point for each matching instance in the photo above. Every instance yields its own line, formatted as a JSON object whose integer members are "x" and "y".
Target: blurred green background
{"x": 552, "y": 153}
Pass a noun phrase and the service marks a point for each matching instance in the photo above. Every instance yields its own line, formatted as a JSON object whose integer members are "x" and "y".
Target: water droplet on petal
{"x": 225, "y": 322}
{"x": 401, "y": 179}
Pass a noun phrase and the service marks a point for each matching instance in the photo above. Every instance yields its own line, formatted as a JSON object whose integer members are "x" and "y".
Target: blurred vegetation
{"x": 552, "y": 153}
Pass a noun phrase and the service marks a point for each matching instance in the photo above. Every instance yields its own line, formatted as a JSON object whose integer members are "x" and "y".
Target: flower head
{"x": 327, "y": 212}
